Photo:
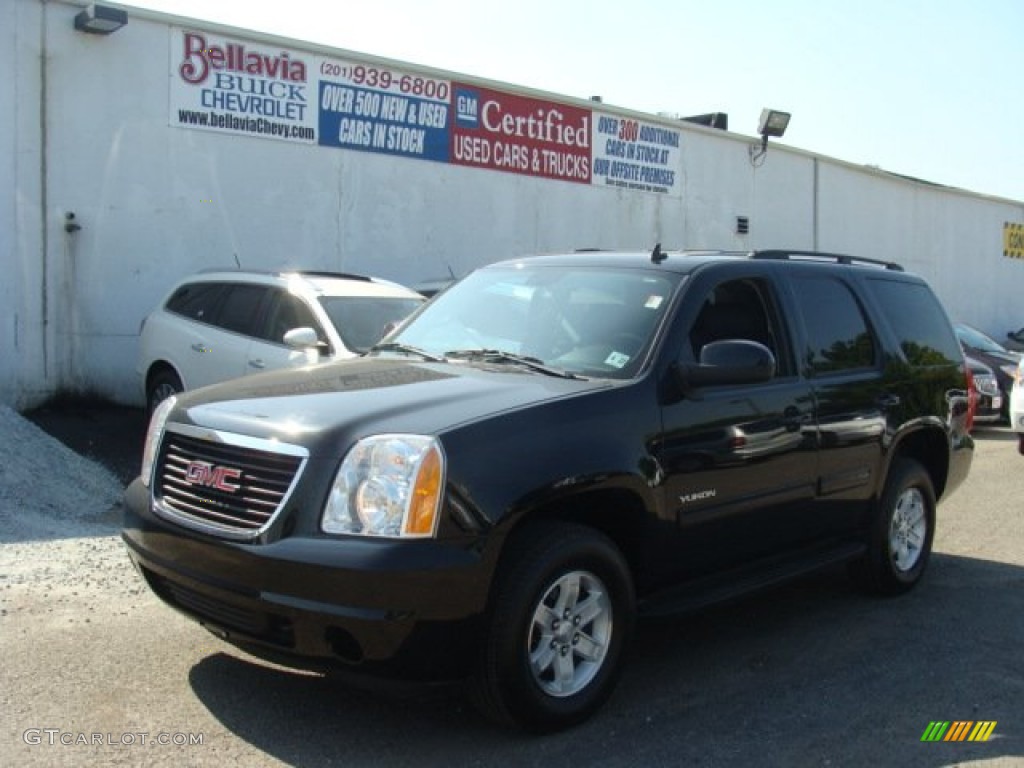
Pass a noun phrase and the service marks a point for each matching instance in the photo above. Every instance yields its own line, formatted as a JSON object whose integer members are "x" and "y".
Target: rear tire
{"x": 900, "y": 538}
{"x": 164, "y": 384}
{"x": 561, "y": 618}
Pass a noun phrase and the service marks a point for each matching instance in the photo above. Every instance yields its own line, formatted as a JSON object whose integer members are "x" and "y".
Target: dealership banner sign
{"x": 636, "y": 155}
{"x": 507, "y": 132}
{"x": 377, "y": 109}
{"x": 229, "y": 86}
{"x": 238, "y": 87}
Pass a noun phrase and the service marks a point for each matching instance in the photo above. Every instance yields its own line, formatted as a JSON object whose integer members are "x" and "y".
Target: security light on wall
{"x": 773, "y": 123}
{"x": 100, "y": 19}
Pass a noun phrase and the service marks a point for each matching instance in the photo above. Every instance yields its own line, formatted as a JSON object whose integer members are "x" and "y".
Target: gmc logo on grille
{"x": 205, "y": 474}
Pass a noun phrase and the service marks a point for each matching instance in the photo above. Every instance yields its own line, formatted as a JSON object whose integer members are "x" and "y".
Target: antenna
{"x": 658, "y": 255}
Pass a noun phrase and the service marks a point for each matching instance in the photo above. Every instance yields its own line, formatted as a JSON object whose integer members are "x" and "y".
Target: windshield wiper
{"x": 500, "y": 356}
{"x": 407, "y": 349}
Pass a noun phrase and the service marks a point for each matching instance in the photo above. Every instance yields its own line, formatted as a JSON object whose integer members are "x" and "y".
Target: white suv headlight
{"x": 153, "y": 435}
{"x": 388, "y": 485}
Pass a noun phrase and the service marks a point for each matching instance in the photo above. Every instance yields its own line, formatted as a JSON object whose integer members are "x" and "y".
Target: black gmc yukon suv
{"x": 552, "y": 447}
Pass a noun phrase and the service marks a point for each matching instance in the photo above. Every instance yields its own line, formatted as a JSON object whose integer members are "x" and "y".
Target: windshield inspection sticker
{"x": 653, "y": 302}
{"x": 616, "y": 360}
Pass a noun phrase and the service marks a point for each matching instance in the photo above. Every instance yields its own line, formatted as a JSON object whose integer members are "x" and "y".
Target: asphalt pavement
{"x": 96, "y": 670}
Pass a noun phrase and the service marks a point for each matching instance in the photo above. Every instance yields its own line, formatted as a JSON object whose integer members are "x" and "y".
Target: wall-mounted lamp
{"x": 100, "y": 19}
{"x": 773, "y": 123}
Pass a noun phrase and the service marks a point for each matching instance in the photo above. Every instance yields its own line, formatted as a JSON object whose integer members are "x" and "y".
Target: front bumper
{"x": 393, "y": 608}
{"x": 989, "y": 408}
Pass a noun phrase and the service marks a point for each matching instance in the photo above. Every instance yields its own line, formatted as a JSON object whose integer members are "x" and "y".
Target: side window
{"x": 197, "y": 301}
{"x": 286, "y": 313}
{"x": 918, "y": 321}
{"x": 741, "y": 309}
{"x": 838, "y": 337}
{"x": 240, "y": 309}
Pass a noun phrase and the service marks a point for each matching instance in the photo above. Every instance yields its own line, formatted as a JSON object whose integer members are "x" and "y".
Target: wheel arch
{"x": 161, "y": 366}
{"x": 620, "y": 514}
{"x": 929, "y": 446}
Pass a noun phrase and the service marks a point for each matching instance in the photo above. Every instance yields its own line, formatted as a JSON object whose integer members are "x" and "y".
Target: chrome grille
{"x": 986, "y": 384}
{"x": 224, "y": 484}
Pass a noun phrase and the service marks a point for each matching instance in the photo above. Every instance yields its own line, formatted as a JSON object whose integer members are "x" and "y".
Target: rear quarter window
{"x": 197, "y": 301}
{"x": 918, "y": 320}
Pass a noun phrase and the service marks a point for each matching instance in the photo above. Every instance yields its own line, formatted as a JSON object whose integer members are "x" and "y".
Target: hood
{"x": 369, "y": 396}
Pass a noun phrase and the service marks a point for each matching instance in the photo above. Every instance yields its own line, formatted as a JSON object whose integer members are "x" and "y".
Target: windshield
{"x": 585, "y": 320}
{"x": 361, "y": 321}
{"x": 975, "y": 338}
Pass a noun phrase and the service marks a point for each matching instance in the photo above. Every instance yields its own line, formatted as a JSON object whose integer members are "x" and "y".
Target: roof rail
{"x": 327, "y": 273}
{"x": 279, "y": 272}
{"x": 838, "y": 258}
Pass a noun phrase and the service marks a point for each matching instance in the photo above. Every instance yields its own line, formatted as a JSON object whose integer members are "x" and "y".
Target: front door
{"x": 739, "y": 461}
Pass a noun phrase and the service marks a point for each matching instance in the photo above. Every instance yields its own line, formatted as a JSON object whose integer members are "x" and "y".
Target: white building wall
{"x": 24, "y": 372}
{"x": 951, "y": 238}
{"x": 156, "y": 202}
{"x": 10, "y": 284}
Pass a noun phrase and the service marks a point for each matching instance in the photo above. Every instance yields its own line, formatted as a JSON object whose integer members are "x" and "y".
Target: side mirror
{"x": 730, "y": 361}
{"x": 302, "y": 338}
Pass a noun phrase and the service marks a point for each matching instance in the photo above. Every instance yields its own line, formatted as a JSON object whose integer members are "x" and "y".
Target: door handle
{"x": 257, "y": 364}
{"x": 792, "y": 419}
{"x": 888, "y": 401}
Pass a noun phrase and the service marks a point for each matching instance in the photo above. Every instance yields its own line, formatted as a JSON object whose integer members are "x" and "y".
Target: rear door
{"x": 219, "y": 347}
{"x": 841, "y": 355}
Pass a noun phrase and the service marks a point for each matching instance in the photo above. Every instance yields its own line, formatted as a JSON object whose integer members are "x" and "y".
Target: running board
{"x": 711, "y": 590}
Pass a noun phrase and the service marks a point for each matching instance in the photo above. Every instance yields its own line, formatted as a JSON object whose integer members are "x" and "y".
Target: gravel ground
{"x": 57, "y": 510}
{"x": 49, "y": 491}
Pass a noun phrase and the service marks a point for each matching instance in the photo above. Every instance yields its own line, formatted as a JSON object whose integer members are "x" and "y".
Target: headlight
{"x": 388, "y": 485}
{"x": 156, "y": 430}
{"x": 1010, "y": 370}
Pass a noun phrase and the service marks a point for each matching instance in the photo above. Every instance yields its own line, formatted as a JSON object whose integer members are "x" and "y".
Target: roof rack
{"x": 303, "y": 272}
{"x": 327, "y": 273}
{"x": 838, "y": 258}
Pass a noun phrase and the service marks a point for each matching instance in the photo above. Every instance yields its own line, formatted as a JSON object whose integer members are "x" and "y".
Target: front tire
{"x": 562, "y": 615}
{"x": 900, "y": 538}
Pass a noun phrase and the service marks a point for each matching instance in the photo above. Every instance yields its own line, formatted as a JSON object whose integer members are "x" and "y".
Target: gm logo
{"x": 959, "y": 730}
{"x": 467, "y": 108}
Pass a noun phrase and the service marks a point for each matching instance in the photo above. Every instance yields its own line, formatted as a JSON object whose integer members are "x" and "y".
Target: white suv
{"x": 1017, "y": 405}
{"x": 219, "y": 325}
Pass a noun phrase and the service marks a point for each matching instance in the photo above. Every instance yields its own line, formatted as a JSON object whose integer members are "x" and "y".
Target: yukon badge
{"x": 206, "y": 474}
{"x": 697, "y": 496}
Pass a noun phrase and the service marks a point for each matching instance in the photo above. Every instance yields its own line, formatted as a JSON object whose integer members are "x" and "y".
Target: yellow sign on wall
{"x": 1013, "y": 240}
